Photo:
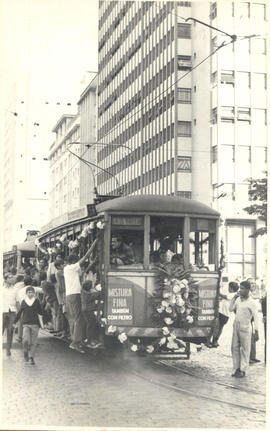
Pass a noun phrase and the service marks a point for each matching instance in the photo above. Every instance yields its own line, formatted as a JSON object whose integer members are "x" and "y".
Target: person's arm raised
{"x": 88, "y": 253}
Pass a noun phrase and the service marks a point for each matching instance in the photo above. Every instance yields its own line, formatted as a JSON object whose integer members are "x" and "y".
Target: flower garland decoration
{"x": 175, "y": 298}
{"x": 174, "y": 304}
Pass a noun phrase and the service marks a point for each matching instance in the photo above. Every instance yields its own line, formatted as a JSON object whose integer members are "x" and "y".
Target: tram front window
{"x": 127, "y": 242}
{"x": 166, "y": 240}
{"x": 202, "y": 244}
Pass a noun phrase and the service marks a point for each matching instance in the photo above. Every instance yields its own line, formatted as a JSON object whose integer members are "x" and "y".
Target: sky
{"x": 47, "y": 47}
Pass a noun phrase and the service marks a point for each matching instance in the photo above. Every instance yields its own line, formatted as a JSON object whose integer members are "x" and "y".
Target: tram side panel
{"x": 128, "y": 304}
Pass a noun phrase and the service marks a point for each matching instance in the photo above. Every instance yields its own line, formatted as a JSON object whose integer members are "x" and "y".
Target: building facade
{"x": 71, "y": 180}
{"x": 182, "y": 109}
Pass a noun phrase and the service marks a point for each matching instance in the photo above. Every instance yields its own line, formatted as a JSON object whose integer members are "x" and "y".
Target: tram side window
{"x": 202, "y": 244}
{"x": 127, "y": 242}
{"x": 166, "y": 240}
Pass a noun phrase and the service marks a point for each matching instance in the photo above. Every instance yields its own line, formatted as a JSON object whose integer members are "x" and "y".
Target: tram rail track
{"x": 189, "y": 373}
{"x": 178, "y": 389}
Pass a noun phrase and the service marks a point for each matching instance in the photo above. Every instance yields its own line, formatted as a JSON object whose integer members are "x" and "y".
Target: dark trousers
{"x": 8, "y": 320}
{"x": 222, "y": 320}
{"x": 252, "y": 355}
{"x": 92, "y": 328}
{"x": 75, "y": 318}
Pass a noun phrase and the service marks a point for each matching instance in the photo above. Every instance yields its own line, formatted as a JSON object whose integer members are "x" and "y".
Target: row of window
{"x": 228, "y": 153}
{"x": 257, "y": 45}
{"x": 119, "y": 66}
{"x": 107, "y": 12}
{"x": 183, "y": 162}
{"x": 183, "y": 129}
{"x": 158, "y": 48}
{"x": 123, "y": 36}
{"x": 157, "y": 109}
{"x": 149, "y": 87}
{"x": 163, "y": 170}
{"x": 147, "y": 147}
{"x": 147, "y": 60}
{"x": 125, "y": 83}
{"x": 243, "y": 10}
{"x": 227, "y": 77}
{"x": 229, "y": 114}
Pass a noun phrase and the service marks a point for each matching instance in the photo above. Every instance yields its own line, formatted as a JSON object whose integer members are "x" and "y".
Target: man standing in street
{"x": 9, "y": 310}
{"x": 245, "y": 309}
{"x": 73, "y": 297}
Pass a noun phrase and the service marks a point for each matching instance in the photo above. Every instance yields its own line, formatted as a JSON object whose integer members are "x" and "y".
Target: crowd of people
{"x": 241, "y": 301}
{"x": 62, "y": 295}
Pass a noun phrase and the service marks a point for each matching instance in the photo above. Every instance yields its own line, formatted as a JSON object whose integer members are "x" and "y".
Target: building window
{"x": 214, "y": 116}
{"x": 184, "y": 128}
{"x": 228, "y": 154}
{"x": 258, "y": 11}
{"x": 214, "y": 154}
{"x": 244, "y": 153}
{"x": 184, "y": 62}
{"x": 184, "y": 95}
{"x": 243, "y": 9}
{"x": 184, "y": 3}
{"x": 244, "y": 79}
{"x": 258, "y": 46}
{"x": 228, "y": 191}
{"x": 183, "y": 164}
{"x": 213, "y": 10}
{"x": 184, "y": 194}
{"x": 213, "y": 44}
{"x": 243, "y": 114}
{"x": 259, "y": 117}
{"x": 227, "y": 114}
{"x": 227, "y": 77}
{"x": 241, "y": 261}
{"x": 259, "y": 81}
{"x": 184, "y": 31}
{"x": 214, "y": 77}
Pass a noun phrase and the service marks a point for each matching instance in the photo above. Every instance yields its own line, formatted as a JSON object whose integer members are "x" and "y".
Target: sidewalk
{"x": 216, "y": 363}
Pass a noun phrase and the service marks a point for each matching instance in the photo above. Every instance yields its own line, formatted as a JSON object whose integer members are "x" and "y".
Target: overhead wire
{"x": 89, "y": 145}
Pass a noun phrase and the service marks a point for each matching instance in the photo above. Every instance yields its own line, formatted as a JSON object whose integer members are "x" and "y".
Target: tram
{"x": 157, "y": 266}
{"x": 19, "y": 255}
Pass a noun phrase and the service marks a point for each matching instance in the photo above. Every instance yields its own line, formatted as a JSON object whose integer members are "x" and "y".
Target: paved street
{"x": 69, "y": 389}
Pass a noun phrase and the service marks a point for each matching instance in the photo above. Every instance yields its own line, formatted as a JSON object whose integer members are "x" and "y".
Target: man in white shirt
{"x": 245, "y": 309}
{"x": 9, "y": 310}
{"x": 51, "y": 271}
{"x": 73, "y": 297}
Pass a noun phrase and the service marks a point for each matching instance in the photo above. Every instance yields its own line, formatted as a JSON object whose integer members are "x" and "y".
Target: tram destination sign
{"x": 120, "y": 306}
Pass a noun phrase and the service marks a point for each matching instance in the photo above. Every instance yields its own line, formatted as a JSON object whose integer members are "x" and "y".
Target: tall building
{"x": 72, "y": 181}
{"x": 180, "y": 105}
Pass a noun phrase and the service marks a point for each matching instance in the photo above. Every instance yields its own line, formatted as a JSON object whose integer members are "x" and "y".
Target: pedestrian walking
{"x": 73, "y": 297}
{"x": 9, "y": 310}
{"x": 245, "y": 308}
{"x": 31, "y": 315}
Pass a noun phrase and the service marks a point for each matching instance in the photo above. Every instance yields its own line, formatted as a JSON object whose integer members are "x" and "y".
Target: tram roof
{"x": 26, "y": 246}
{"x": 156, "y": 204}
